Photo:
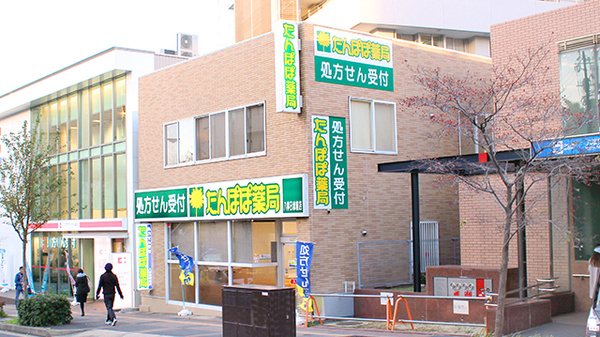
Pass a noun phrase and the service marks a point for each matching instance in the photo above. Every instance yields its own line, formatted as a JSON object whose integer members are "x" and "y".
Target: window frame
{"x": 166, "y": 147}
{"x": 373, "y": 150}
{"x": 228, "y": 156}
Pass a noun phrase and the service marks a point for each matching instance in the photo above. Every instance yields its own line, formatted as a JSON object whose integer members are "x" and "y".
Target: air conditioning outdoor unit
{"x": 187, "y": 45}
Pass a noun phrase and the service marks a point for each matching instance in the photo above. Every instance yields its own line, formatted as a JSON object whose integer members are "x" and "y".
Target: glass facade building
{"x": 88, "y": 125}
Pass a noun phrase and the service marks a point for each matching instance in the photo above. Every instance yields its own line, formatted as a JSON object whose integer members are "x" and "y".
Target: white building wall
{"x": 15, "y": 105}
{"x": 457, "y": 15}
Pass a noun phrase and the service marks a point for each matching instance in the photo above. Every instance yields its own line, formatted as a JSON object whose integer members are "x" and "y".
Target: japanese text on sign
{"x": 289, "y": 66}
{"x": 330, "y": 163}
{"x": 161, "y": 204}
{"x": 351, "y": 59}
{"x": 321, "y": 158}
{"x": 252, "y": 198}
{"x": 144, "y": 260}
{"x": 304, "y": 254}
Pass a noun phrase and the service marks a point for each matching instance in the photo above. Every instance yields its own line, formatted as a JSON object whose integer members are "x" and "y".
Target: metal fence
{"x": 389, "y": 263}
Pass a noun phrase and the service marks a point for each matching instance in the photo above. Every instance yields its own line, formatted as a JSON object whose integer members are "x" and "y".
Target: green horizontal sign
{"x": 284, "y": 196}
{"x": 161, "y": 204}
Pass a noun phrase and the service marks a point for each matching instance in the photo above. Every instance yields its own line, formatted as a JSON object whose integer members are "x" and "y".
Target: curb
{"x": 38, "y": 331}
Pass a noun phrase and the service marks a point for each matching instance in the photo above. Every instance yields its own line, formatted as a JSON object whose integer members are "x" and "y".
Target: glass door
{"x": 288, "y": 263}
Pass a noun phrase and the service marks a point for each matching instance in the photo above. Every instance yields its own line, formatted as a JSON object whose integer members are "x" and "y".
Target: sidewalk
{"x": 137, "y": 324}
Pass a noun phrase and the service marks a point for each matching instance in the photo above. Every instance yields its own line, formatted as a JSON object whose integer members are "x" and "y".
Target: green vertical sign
{"x": 338, "y": 163}
{"x": 330, "y": 177}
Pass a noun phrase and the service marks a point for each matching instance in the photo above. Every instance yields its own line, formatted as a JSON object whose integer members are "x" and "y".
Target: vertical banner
{"x": 143, "y": 234}
{"x": 30, "y": 279}
{"x": 122, "y": 267}
{"x": 186, "y": 264}
{"x": 44, "y": 286}
{"x": 304, "y": 253}
{"x": 330, "y": 176}
{"x": 3, "y": 278}
{"x": 287, "y": 67}
{"x": 68, "y": 265}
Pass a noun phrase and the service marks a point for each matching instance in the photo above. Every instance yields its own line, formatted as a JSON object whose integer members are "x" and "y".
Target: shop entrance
{"x": 288, "y": 249}
{"x": 54, "y": 257}
{"x": 287, "y": 256}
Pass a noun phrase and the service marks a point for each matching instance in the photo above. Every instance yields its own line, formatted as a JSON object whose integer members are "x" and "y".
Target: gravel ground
{"x": 439, "y": 328}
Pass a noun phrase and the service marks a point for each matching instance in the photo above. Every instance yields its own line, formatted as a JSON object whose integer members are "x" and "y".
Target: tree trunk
{"x": 499, "y": 326}
{"x": 25, "y": 276}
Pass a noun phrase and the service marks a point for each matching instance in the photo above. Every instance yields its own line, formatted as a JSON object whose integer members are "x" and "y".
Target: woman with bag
{"x": 83, "y": 289}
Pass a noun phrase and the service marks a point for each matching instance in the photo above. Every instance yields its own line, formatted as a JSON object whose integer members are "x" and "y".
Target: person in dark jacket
{"x": 83, "y": 289}
{"x": 108, "y": 282}
{"x": 18, "y": 285}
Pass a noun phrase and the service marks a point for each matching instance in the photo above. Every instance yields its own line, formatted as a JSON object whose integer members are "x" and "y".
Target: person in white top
{"x": 594, "y": 269}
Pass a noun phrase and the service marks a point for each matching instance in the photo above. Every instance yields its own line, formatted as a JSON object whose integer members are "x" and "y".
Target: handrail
{"x": 391, "y": 319}
{"x": 581, "y": 275}
{"x": 407, "y": 296}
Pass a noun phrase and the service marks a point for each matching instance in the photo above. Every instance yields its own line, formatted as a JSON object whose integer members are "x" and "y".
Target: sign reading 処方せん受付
{"x": 353, "y": 59}
{"x": 329, "y": 162}
{"x": 282, "y": 196}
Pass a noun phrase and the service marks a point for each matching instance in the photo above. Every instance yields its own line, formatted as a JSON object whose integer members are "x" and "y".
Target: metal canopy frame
{"x": 462, "y": 165}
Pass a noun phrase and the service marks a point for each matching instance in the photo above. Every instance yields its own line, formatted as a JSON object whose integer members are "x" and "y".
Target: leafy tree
{"x": 512, "y": 111}
{"x": 29, "y": 186}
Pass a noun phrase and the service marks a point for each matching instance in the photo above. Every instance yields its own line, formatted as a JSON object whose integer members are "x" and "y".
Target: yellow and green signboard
{"x": 269, "y": 197}
{"x": 143, "y": 233}
{"x": 287, "y": 67}
{"x": 353, "y": 59}
{"x": 330, "y": 171}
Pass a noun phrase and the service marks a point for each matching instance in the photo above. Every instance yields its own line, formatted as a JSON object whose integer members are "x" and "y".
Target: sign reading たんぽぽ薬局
{"x": 353, "y": 59}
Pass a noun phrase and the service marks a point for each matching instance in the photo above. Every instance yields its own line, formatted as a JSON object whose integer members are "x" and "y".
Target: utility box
{"x": 338, "y": 306}
{"x": 256, "y": 310}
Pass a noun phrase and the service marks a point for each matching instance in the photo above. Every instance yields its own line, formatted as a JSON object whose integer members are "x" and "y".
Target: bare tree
{"x": 29, "y": 186}
{"x": 515, "y": 121}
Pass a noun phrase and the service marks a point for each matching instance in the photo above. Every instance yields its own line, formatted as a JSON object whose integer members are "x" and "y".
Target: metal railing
{"x": 391, "y": 318}
{"x": 540, "y": 291}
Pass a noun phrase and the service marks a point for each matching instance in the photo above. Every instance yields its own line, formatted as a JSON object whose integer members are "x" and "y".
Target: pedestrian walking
{"x": 18, "y": 285}
{"x": 83, "y": 289}
{"x": 594, "y": 269}
{"x": 108, "y": 282}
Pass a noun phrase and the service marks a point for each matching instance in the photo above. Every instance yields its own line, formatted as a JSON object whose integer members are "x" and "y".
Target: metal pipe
{"x": 405, "y": 296}
{"x": 402, "y": 320}
{"x": 414, "y": 182}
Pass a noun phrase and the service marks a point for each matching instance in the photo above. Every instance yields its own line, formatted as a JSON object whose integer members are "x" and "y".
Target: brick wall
{"x": 548, "y": 249}
{"x": 379, "y": 203}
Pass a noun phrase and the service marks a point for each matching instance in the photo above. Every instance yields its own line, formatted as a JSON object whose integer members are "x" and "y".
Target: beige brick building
{"x": 183, "y": 107}
{"x": 564, "y": 228}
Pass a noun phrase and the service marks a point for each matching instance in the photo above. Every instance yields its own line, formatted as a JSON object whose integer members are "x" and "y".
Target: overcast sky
{"x": 39, "y": 37}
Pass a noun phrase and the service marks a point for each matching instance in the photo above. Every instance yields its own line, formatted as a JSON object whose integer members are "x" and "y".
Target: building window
{"x": 432, "y": 40}
{"x": 179, "y": 142}
{"x": 234, "y": 133}
{"x": 455, "y": 44}
{"x": 253, "y": 259}
{"x": 586, "y": 217}
{"x": 579, "y": 90}
{"x": 171, "y": 143}
{"x": 373, "y": 126}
